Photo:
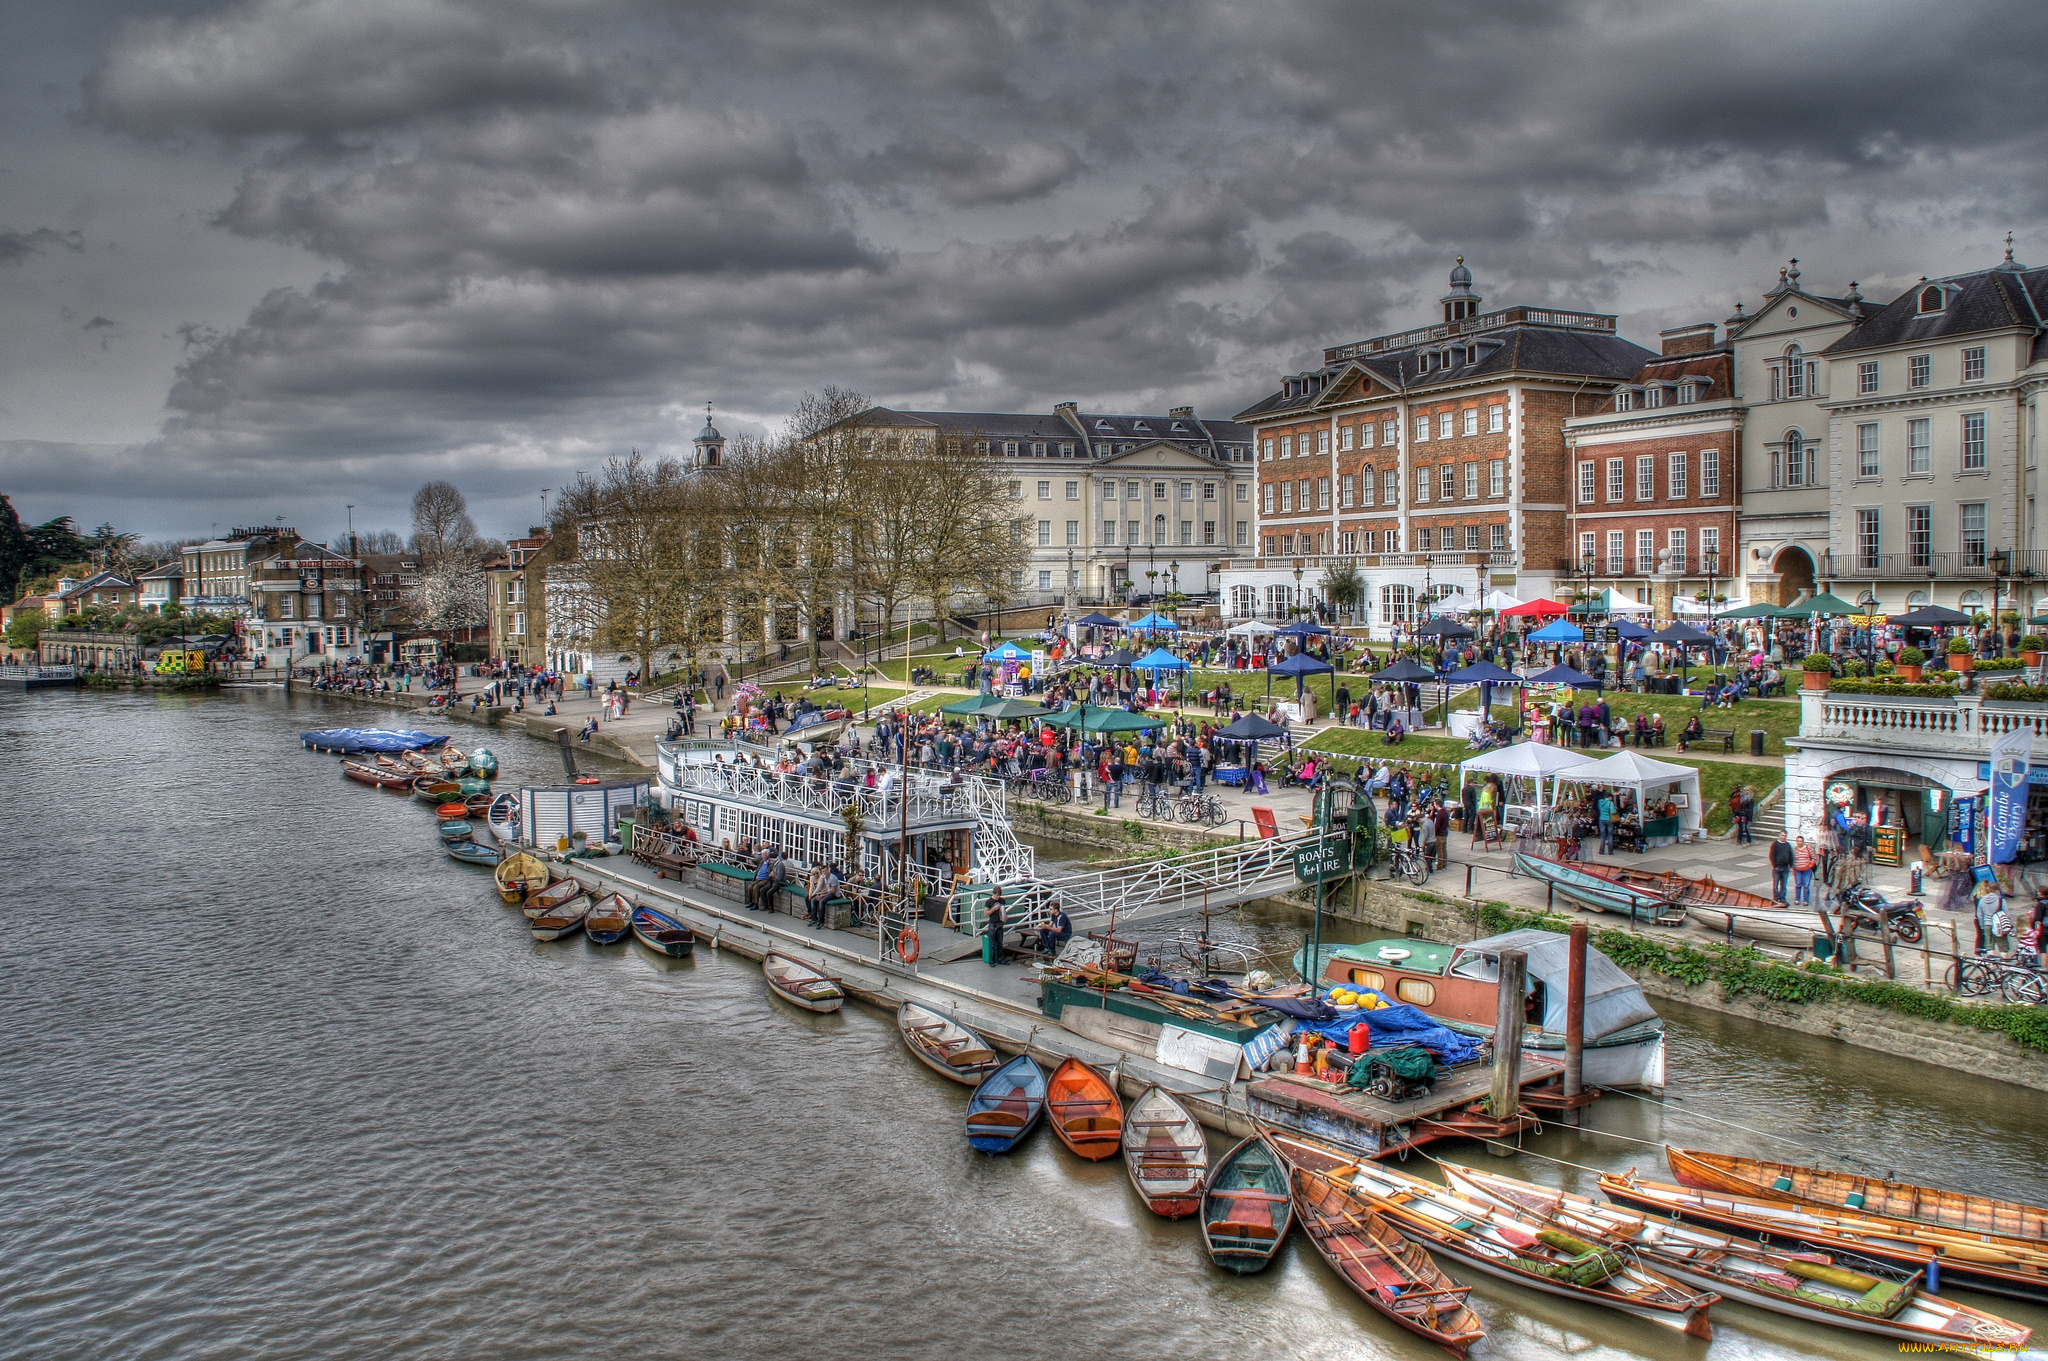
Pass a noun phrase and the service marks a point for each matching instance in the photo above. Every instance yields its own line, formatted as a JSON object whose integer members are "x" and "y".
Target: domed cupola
{"x": 1461, "y": 302}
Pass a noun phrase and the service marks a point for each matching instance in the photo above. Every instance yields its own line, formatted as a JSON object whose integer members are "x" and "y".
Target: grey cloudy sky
{"x": 270, "y": 257}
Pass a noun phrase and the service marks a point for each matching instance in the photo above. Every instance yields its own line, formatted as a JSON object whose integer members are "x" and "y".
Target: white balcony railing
{"x": 1966, "y": 724}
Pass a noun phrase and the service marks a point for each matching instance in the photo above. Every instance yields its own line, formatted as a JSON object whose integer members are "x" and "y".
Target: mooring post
{"x": 1506, "y": 1098}
{"x": 1575, "y": 1020}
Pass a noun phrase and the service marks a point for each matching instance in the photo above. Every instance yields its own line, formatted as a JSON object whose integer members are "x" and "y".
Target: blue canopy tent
{"x": 1158, "y": 660}
{"x": 1564, "y": 675}
{"x": 1558, "y": 632}
{"x": 1249, "y": 731}
{"x": 1485, "y": 675}
{"x": 1006, "y": 652}
{"x": 1099, "y": 620}
{"x": 1407, "y": 669}
{"x": 1154, "y": 620}
{"x": 1685, "y": 637}
{"x": 1299, "y": 666}
{"x": 1629, "y": 631}
{"x": 1302, "y": 628}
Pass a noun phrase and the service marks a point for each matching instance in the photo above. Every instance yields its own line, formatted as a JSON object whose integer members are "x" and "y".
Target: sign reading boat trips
{"x": 1320, "y": 860}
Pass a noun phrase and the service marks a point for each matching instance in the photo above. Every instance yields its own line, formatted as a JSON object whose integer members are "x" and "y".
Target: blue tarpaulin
{"x": 1399, "y": 1023}
{"x": 371, "y": 739}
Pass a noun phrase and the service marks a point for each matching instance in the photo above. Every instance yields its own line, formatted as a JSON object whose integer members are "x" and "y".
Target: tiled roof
{"x": 1051, "y": 426}
{"x": 1987, "y": 300}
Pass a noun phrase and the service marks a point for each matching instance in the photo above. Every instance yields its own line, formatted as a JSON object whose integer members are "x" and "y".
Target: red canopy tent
{"x": 1537, "y": 609}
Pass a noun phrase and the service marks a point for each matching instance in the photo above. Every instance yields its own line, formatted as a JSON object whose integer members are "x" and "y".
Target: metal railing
{"x": 1219, "y": 877}
{"x": 38, "y": 673}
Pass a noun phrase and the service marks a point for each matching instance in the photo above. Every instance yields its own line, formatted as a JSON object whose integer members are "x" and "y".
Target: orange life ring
{"x": 906, "y": 944}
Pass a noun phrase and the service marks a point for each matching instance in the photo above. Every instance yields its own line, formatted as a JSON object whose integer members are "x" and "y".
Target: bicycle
{"x": 1154, "y": 802}
{"x": 1206, "y": 809}
{"x": 1983, "y": 975}
{"x": 1412, "y": 861}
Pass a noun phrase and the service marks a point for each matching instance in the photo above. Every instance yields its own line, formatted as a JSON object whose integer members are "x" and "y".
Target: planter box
{"x": 1961, "y": 661}
{"x": 1909, "y": 673}
{"x": 2030, "y": 659}
{"x": 1815, "y": 680}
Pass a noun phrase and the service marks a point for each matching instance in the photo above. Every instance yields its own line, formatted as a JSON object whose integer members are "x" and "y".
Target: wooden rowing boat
{"x": 1006, "y": 1106}
{"x": 519, "y": 874}
{"x": 1390, "y": 1272}
{"x": 658, "y": 931}
{"x": 456, "y": 829}
{"x": 1662, "y": 896}
{"x": 479, "y": 805}
{"x": 2011, "y": 1267}
{"x": 944, "y": 1045}
{"x": 452, "y": 758}
{"x": 1247, "y": 1207}
{"x": 1856, "y": 1293}
{"x": 469, "y": 853}
{"x": 555, "y": 895}
{"x": 383, "y": 779}
{"x": 798, "y": 983}
{"x": 1507, "y": 1244}
{"x": 561, "y": 922}
{"x": 1166, "y": 1153}
{"x": 1866, "y": 1195}
{"x": 432, "y": 789}
{"x": 608, "y": 920}
{"x": 1084, "y": 1110}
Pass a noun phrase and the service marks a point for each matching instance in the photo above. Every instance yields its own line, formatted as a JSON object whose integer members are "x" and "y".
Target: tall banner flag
{"x": 2009, "y": 757}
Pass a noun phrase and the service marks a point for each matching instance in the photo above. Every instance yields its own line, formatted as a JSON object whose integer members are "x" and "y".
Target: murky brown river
{"x": 287, "y": 1082}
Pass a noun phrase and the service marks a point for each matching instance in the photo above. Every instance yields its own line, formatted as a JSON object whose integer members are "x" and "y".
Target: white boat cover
{"x": 1614, "y": 1001}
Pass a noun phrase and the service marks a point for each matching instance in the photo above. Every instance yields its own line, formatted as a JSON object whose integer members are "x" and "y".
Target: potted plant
{"x": 2030, "y": 649}
{"x": 1911, "y": 659}
{"x": 1959, "y": 654}
{"x": 1819, "y": 669}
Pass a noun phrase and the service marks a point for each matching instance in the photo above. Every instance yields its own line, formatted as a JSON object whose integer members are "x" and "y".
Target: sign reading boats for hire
{"x": 2009, "y": 755}
{"x": 1320, "y": 860}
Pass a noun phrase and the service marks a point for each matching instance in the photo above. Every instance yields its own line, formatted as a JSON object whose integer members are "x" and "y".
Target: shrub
{"x": 1855, "y": 668}
{"x": 1887, "y": 669}
{"x": 2000, "y": 664}
{"x": 2032, "y": 643}
{"x": 1885, "y": 685}
{"x": 2033, "y": 694}
{"x": 1959, "y": 647}
{"x": 463, "y": 653}
{"x": 1912, "y": 656}
{"x": 1818, "y": 661}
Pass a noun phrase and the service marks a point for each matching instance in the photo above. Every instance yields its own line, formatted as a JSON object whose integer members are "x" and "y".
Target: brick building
{"x": 1433, "y": 460}
{"x": 1656, "y": 487}
{"x": 516, "y": 585}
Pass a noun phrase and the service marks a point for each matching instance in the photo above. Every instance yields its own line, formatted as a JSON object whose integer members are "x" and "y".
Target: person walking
{"x": 1781, "y": 866}
{"x": 992, "y": 925}
{"x": 1606, "y": 815}
{"x": 1805, "y": 857}
{"x": 1741, "y": 807}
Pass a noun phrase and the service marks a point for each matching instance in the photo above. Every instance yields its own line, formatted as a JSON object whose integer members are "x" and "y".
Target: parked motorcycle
{"x": 1866, "y": 908}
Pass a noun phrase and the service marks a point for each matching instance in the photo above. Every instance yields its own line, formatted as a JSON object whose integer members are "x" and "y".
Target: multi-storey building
{"x": 108, "y": 591}
{"x": 304, "y": 601}
{"x": 161, "y": 586}
{"x": 1654, "y": 482}
{"x": 1933, "y": 407}
{"x": 217, "y": 572}
{"x": 1433, "y": 460}
{"x": 1782, "y": 382}
{"x": 1115, "y": 505}
{"x": 518, "y": 600}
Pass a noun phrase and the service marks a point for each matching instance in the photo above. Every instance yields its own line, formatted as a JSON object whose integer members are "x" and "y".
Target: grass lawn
{"x": 1719, "y": 778}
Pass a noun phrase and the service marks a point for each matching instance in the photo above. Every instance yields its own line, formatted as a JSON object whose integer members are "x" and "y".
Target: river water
{"x": 287, "y": 1082}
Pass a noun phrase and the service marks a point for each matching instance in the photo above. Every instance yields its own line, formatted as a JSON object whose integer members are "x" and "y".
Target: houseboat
{"x": 1459, "y": 985}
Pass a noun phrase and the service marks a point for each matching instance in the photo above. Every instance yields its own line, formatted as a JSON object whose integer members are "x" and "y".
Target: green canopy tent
{"x": 1097, "y": 718}
{"x": 1005, "y": 709}
{"x": 1827, "y": 605}
{"x": 1759, "y": 610}
{"x": 961, "y": 708}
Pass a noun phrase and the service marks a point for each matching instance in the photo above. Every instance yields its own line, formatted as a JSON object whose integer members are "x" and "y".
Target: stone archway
{"x": 1794, "y": 566}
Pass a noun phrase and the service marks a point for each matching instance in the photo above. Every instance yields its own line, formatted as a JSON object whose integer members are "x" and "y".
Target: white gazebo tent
{"x": 1617, "y": 603}
{"x": 1252, "y": 628}
{"x": 1651, "y": 780}
{"x": 1532, "y": 761}
{"x": 1498, "y": 600}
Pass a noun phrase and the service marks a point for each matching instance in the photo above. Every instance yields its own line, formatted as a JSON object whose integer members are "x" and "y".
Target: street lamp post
{"x": 1296, "y": 609}
{"x": 2001, "y": 568}
{"x": 1710, "y": 563}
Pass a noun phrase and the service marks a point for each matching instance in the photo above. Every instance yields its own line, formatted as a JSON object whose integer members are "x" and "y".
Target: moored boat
{"x": 2010, "y": 1267}
{"x": 800, "y": 984}
{"x": 1006, "y": 1106}
{"x": 453, "y": 759}
{"x": 608, "y": 920}
{"x": 1383, "y": 1267}
{"x": 555, "y": 898}
{"x": 504, "y": 817}
{"x": 1247, "y": 1207}
{"x": 456, "y": 829}
{"x": 1865, "y": 1195}
{"x": 657, "y": 930}
{"x": 383, "y": 779}
{"x": 469, "y": 853}
{"x": 1855, "y": 1293}
{"x": 433, "y": 790}
{"x": 483, "y": 764}
{"x": 1507, "y": 1244}
{"x": 457, "y": 809}
{"x": 1084, "y": 1110}
{"x": 479, "y": 806}
{"x": 521, "y": 873}
{"x": 944, "y": 1045}
{"x": 1166, "y": 1154}
{"x": 560, "y": 922}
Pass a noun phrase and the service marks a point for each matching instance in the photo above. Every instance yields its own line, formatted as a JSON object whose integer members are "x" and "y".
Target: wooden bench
{"x": 1725, "y": 736}
{"x": 838, "y": 911}
{"x": 725, "y": 881}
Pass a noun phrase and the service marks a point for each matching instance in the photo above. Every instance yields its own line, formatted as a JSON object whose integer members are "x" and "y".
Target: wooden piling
{"x": 1506, "y": 1098}
{"x": 1575, "y": 1020}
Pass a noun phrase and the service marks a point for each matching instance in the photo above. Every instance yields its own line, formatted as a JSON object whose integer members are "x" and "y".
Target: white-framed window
{"x": 1920, "y": 371}
{"x": 1016, "y": 490}
{"x": 1397, "y": 604}
{"x": 1009, "y": 448}
{"x": 1425, "y": 539}
{"x": 1500, "y": 538}
{"x": 1710, "y": 549}
{"x": 1421, "y": 486}
{"x": 1390, "y": 488}
{"x": 1866, "y": 377}
{"x": 1471, "y": 538}
{"x": 1447, "y": 482}
{"x": 1496, "y": 419}
{"x": 1443, "y": 424}
{"x": 1617, "y": 553}
{"x": 1322, "y": 441}
{"x": 1187, "y": 533}
{"x": 1344, "y": 443}
{"x": 1867, "y": 463}
{"x": 1365, "y": 434}
{"x": 1208, "y": 491}
{"x": 284, "y": 607}
{"x": 1322, "y": 493}
{"x": 1589, "y": 482}
{"x": 1932, "y": 298}
{"x": 1421, "y": 429}
{"x": 1109, "y": 533}
{"x": 1038, "y": 448}
{"x": 1624, "y": 400}
{"x": 1268, "y": 447}
{"x": 1676, "y": 476}
{"x": 1073, "y": 491}
{"x": 1307, "y": 490}
{"x": 1109, "y": 491}
{"x": 1869, "y": 538}
{"x": 1244, "y": 530}
{"x": 1974, "y": 459}
{"x": 1970, "y": 532}
{"x": 1676, "y": 542}
{"x": 1347, "y": 491}
{"x": 1244, "y": 491}
{"x": 1067, "y": 449}
{"x": 1368, "y": 485}
{"x": 1646, "y": 477}
{"x": 1045, "y": 581}
{"x": 1390, "y": 432}
{"x": 1045, "y": 491}
{"x": 1045, "y": 533}
{"x": 1589, "y": 548}
{"x": 1653, "y": 395}
{"x": 1710, "y": 473}
{"x": 1158, "y": 491}
{"x": 1920, "y": 444}
{"x": 1286, "y": 498}
{"x": 1688, "y": 393}
{"x": 1347, "y": 543}
{"x": 1646, "y": 552}
{"x": 1973, "y": 364}
{"x": 1471, "y": 481}
{"x": 1795, "y": 459}
{"x": 1269, "y": 498}
{"x": 1795, "y": 372}
{"x": 1287, "y": 446}
{"x": 1073, "y": 533}
{"x": 1471, "y": 420}
{"x": 1920, "y": 536}
{"x": 1159, "y": 530}
{"x": 1187, "y": 491}
{"x": 1617, "y": 479}
{"x": 1131, "y": 528}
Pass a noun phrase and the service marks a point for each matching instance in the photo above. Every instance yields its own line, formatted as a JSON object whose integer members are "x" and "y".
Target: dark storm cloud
{"x": 551, "y": 229}
{"x": 16, "y": 247}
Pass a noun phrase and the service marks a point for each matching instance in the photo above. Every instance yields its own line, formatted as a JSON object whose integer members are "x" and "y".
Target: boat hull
{"x": 937, "y": 1041}
{"x": 1871, "y": 1195}
{"x": 469, "y": 853}
{"x": 1006, "y": 1106}
{"x": 662, "y": 933}
{"x": 800, "y": 985}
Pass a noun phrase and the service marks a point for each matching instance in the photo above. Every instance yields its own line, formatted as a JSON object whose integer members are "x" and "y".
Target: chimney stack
{"x": 1688, "y": 339}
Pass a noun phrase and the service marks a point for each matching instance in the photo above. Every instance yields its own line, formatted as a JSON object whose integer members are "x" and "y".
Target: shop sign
{"x": 1323, "y": 860}
{"x": 2009, "y": 757}
{"x": 1842, "y": 792}
{"x": 2037, "y": 775}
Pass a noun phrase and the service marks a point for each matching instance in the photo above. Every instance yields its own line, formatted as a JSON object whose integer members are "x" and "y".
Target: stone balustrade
{"x": 1965, "y": 724}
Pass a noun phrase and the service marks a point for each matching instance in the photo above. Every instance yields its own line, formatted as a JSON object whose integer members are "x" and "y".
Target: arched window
{"x": 1796, "y": 461}
{"x": 1397, "y": 604}
{"x": 1916, "y": 600}
{"x": 1932, "y": 298}
{"x": 1795, "y": 372}
{"x": 1159, "y": 529}
{"x": 1367, "y": 486}
{"x": 1972, "y": 602}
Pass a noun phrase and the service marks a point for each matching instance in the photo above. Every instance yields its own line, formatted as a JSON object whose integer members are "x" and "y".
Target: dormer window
{"x": 1688, "y": 393}
{"x": 1105, "y": 425}
{"x": 1932, "y": 299}
{"x": 1624, "y": 400}
{"x": 1140, "y": 425}
{"x": 1653, "y": 396}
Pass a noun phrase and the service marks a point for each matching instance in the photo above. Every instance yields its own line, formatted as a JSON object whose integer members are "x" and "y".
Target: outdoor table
{"x": 1661, "y": 831}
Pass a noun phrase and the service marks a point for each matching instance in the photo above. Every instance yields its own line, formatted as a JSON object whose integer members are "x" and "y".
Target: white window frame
{"x": 1471, "y": 481}
{"x": 1866, "y": 377}
{"x": 1471, "y": 420}
{"x": 1496, "y": 419}
{"x": 1677, "y": 479}
{"x": 1617, "y": 480}
{"x": 1869, "y": 457}
{"x": 1973, "y": 364}
{"x": 1920, "y": 446}
{"x": 1589, "y": 481}
{"x": 1646, "y": 477}
{"x": 1710, "y": 474}
{"x": 1974, "y": 454}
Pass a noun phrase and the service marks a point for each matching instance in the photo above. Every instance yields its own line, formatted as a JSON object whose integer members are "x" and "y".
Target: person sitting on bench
{"x": 1057, "y": 931}
{"x": 1693, "y": 732}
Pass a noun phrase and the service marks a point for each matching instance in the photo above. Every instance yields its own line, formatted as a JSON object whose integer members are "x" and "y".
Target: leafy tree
{"x": 25, "y": 628}
{"x": 1344, "y": 587}
{"x": 14, "y": 550}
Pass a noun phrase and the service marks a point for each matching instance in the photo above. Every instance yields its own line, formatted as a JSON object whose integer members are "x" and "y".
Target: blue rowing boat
{"x": 1607, "y": 888}
{"x": 1006, "y": 1106}
{"x": 469, "y": 853}
{"x": 657, "y": 930}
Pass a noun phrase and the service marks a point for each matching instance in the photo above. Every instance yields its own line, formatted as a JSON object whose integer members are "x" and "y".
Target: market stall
{"x": 1667, "y": 795}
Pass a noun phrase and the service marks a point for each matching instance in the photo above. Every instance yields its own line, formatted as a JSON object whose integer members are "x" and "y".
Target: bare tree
{"x": 381, "y": 541}
{"x": 969, "y": 529}
{"x": 449, "y": 596}
{"x": 440, "y": 521}
{"x": 802, "y": 500}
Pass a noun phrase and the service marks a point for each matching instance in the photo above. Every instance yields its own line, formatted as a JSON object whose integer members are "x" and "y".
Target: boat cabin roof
{"x": 1414, "y": 956}
{"x": 1613, "y": 999}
